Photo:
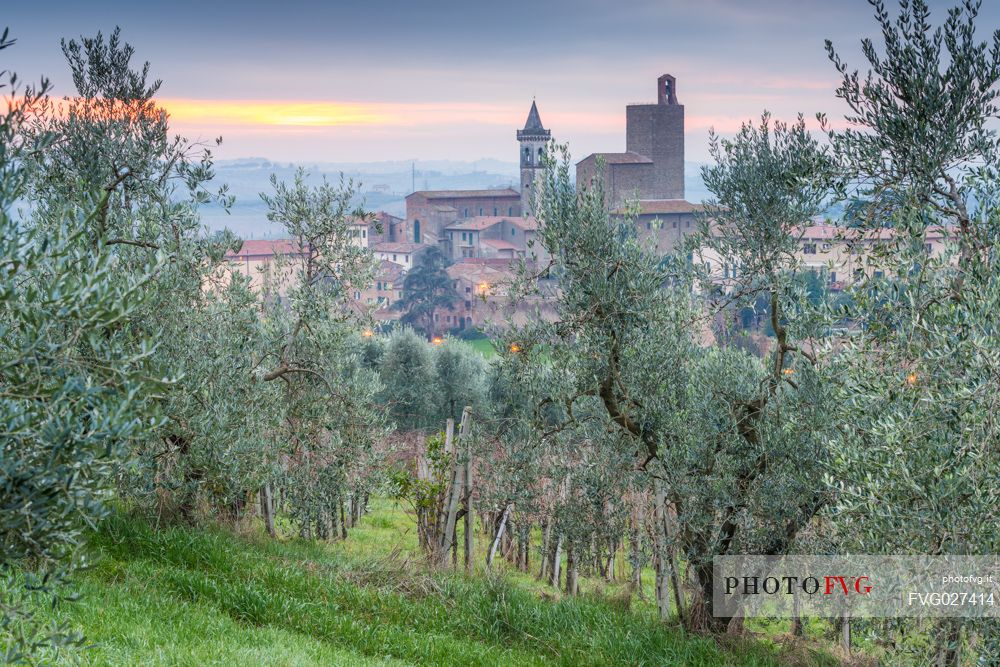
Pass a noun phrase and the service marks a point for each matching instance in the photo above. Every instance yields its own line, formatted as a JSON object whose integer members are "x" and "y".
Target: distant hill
{"x": 384, "y": 185}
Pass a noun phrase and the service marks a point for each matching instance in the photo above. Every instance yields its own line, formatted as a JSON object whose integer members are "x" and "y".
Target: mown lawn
{"x": 181, "y": 596}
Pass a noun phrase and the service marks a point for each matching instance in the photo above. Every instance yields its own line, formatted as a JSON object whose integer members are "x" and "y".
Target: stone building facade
{"x": 429, "y": 212}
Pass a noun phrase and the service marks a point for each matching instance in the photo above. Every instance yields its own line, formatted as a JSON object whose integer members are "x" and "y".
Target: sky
{"x": 379, "y": 80}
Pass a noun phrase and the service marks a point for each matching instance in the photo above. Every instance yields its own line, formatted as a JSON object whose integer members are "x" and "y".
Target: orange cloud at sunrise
{"x": 320, "y": 114}
{"x": 267, "y": 112}
{"x": 326, "y": 113}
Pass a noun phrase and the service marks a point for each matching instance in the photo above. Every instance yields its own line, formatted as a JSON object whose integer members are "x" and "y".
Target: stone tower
{"x": 532, "y": 140}
{"x": 657, "y": 131}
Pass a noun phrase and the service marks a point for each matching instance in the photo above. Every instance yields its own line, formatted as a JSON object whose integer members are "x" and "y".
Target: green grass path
{"x": 180, "y": 596}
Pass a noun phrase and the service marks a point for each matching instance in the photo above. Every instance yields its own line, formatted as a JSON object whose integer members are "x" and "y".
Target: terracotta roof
{"x": 491, "y": 262}
{"x": 266, "y": 248}
{"x": 478, "y": 222}
{"x": 500, "y": 245}
{"x": 456, "y": 194}
{"x": 389, "y": 270}
{"x": 387, "y": 217}
{"x": 664, "y": 206}
{"x": 397, "y": 247}
{"x": 529, "y": 223}
{"x": 620, "y": 158}
{"x": 828, "y": 231}
{"x": 480, "y": 272}
{"x": 481, "y": 222}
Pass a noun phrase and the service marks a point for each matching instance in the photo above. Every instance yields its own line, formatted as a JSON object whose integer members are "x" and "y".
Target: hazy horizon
{"x": 452, "y": 81}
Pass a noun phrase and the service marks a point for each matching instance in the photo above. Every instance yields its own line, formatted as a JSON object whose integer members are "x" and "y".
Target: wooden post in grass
{"x": 496, "y": 540}
{"x": 343, "y": 523}
{"x": 845, "y": 637}
{"x": 455, "y": 492}
{"x": 442, "y": 508}
{"x": 543, "y": 568}
{"x": 638, "y": 517}
{"x": 267, "y": 509}
{"x": 556, "y": 562}
{"x": 469, "y": 513}
{"x": 662, "y": 559}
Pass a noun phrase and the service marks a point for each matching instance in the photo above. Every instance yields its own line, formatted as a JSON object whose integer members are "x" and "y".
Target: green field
{"x": 181, "y": 596}
{"x": 483, "y": 346}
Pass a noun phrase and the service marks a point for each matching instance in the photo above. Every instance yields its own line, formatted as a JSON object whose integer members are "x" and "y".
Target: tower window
{"x": 416, "y": 231}
{"x": 495, "y": 212}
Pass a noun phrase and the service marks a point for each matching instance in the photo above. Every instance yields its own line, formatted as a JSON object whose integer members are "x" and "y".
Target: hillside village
{"x": 488, "y": 234}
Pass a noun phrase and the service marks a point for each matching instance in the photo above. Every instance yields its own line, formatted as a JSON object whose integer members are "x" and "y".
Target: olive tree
{"x": 71, "y": 395}
{"x": 918, "y": 469}
{"x": 328, "y": 414}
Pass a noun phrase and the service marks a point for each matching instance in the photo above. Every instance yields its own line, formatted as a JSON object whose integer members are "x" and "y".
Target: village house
{"x": 665, "y": 221}
{"x": 428, "y": 212}
{"x": 833, "y": 251}
{"x": 404, "y": 254}
{"x": 493, "y": 237}
{"x": 270, "y": 264}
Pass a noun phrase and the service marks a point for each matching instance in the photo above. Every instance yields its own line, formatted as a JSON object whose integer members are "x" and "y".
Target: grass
{"x": 483, "y": 346}
{"x": 183, "y": 596}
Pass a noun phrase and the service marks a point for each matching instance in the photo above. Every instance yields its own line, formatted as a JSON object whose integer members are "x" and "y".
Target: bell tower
{"x": 532, "y": 140}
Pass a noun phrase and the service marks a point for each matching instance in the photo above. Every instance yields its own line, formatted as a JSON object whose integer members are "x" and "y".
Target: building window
{"x": 480, "y": 210}
{"x": 364, "y": 233}
{"x": 357, "y": 296}
{"x": 468, "y": 305}
{"x": 378, "y": 286}
{"x": 809, "y": 249}
{"x": 513, "y": 232}
{"x": 394, "y": 258}
{"x": 465, "y": 213}
{"x": 510, "y": 210}
{"x": 494, "y": 211}
{"x": 468, "y": 289}
{"x": 833, "y": 276}
{"x": 416, "y": 231}
{"x": 929, "y": 247}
